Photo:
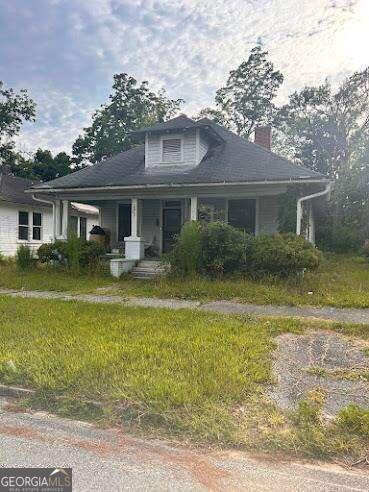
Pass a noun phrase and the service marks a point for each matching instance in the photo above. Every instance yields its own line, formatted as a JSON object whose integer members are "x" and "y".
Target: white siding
{"x": 9, "y": 227}
{"x": 203, "y": 147}
{"x": 9, "y": 241}
{"x": 268, "y": 214}
{"x": 153, "y": 157}
{"x": 109, "y": 220}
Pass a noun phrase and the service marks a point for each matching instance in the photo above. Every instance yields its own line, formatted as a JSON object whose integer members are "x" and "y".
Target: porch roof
{"x": 234, "y": 160}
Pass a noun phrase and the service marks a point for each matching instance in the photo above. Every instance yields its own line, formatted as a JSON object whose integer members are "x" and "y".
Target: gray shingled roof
{"x": 181, "y": 122}
{"x": 12, "y": 190}
{"x": 232, "y": 160}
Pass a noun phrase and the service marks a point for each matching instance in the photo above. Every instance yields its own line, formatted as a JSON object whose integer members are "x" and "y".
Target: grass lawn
{"x": 185, "y": 374}
{"x": 341, "y": 281}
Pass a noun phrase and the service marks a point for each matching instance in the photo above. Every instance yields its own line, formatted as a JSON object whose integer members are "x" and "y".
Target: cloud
{"x": 67, "y": 52}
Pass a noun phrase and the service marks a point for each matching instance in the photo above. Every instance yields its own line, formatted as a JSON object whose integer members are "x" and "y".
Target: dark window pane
{"x": 36, "y": 235}
{"x": 83, "y": 227}
{"x": 23, "y": 233}
{"x": 36, "y": 219}
{"x": 23, "y": 218}
{"x": 241, "y": 214}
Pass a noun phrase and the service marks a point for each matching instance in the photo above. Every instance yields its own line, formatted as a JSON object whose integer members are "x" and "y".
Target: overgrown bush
{"x": 76, "y": 253}
{"x": 355, "y": 420}
{"x": 338, "y": 238}
{"x": 222, "y": 249}
{"x": 282, "y": 255}
{"x": 185, "y": 257}
{"x": 24, "y": 257}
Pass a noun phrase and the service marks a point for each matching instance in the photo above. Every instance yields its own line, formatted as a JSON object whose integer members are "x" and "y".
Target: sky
{"x": 65, "y": 52}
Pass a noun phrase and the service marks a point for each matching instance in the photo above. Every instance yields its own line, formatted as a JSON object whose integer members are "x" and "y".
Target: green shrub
{"x": 47, "y": 253}
{"x": 2, "y": 258}
{"x": 76, "y": 253}
{"x": 222, "y": 249}
{"x": 185, "y": 256}
{"x": 282, "y": 255}
{"x": 339, "y": 238}
{"x": 355, "y": 420}
{"x": 24, "y": 257}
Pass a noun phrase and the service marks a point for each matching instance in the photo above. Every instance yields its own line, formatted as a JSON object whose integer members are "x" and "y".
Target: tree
{"x": 46, "y": 167}
{"x": 328, "y": 131}
{"x": 131, "y": 105}
{"x": 15, "y": 108}
{"x": 246, "y": 101}
{"x": 42, "y": 166}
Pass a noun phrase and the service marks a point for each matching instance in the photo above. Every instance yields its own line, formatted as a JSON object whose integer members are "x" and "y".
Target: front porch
{"x": 146, "y": 227}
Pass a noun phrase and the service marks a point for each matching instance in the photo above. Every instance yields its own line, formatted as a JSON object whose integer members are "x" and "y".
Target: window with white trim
{"x": 29, "y": 226}
{"x": 172, "y": 149}
{"x": 36, "y": 226}
{"x": 23, "y": 225}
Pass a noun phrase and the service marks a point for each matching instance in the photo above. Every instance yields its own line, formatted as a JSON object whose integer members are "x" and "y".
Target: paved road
{"x": 348, "y": 315}
{"x": 110, "y": 460}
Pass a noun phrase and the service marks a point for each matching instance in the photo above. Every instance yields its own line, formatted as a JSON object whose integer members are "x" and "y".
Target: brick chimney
{"x": 263, "y": 136}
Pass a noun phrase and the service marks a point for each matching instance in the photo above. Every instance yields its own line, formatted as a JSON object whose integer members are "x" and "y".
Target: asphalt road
{"x": 110, "y": 460}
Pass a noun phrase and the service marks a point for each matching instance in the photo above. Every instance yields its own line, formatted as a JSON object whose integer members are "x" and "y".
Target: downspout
{"x": 326, "y": 191}
{"x": 50, "y": 203}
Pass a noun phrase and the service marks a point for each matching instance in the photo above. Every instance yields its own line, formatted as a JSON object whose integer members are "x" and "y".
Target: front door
{"x": 124, "y": 221}
{"x": 172, "y": 221}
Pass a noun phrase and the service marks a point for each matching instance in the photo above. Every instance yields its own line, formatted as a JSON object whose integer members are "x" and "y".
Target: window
{"x": 36, "y": 226}
{"x": 172, "y": 150}
{"x": 23, "y": 226}
{"x": 242, "y": 214}
{"x": 83, "y": 227}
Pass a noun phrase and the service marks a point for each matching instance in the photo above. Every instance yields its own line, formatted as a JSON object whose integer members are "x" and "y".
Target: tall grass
{"x": 24, "y": 257}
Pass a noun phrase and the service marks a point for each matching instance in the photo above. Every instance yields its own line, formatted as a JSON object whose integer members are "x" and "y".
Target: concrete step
{"x": 150, "y": 263}
{"x": 147, "y": 269}
{"x": 144, "y": 276}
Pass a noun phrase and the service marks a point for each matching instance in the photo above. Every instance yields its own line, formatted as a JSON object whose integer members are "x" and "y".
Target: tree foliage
{"x": 328, "y": 131}
{"x": 15, "y": 108}
{"x": 42, "y": 166}
{"x": 131, "y": 105}
{"x": 45, "y": 167}
{"x": 247, "y": 98}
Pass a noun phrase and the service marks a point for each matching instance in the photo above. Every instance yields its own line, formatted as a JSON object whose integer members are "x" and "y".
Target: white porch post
{"x": 64, "y": 231}
{"x": 134, "y": 245}
{"x": 56, "y": 220}
{"x": 134, "y": 217}
{"x": 193, "y": 208}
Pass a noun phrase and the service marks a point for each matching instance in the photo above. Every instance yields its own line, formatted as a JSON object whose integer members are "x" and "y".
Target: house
{"x": 184, "y": 170}
{"x": 25, "y": 219}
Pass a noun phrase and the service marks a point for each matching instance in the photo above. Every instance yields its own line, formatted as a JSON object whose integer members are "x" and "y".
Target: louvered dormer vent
{"x": 172, "y": 150}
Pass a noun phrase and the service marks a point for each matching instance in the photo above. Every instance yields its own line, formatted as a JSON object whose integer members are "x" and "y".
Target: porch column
{"x": 134, "y": 245}
{"x": 193, "y": 208}
{"x": 65, "y": 214}
{"x": 56, "y": 220}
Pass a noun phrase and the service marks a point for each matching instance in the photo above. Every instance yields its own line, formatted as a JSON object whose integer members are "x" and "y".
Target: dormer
{"x": 176, "y": 145}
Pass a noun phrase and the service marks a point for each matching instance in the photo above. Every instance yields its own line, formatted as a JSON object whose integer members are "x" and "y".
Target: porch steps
{"x": 147, "y": 269}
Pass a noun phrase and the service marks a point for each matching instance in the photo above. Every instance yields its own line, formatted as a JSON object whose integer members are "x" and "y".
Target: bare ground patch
{"x": 320, "y": 360}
